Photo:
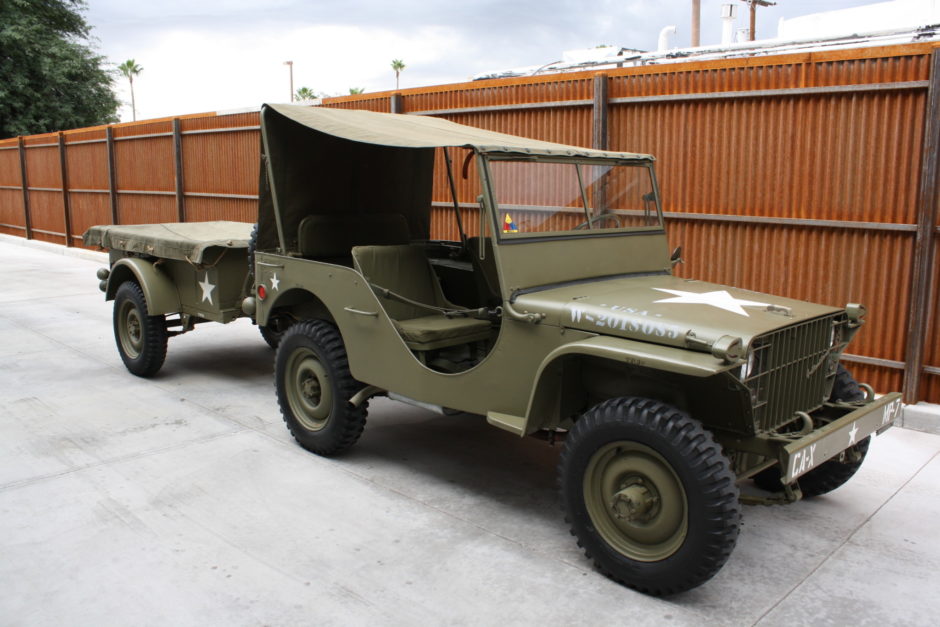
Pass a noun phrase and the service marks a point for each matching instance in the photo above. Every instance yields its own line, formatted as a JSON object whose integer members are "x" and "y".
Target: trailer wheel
{"x": 837, "y": 471}
{"x": 649, "y": 495}
{"x": 141, "y": 338}
{"x": 252, "y": 247}
{"x": 314, "y": 386}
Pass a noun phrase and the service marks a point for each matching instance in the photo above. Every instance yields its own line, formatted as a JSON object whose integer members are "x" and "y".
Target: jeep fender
{"x": 300, "y": 303}
{"x": 159, "y": 290}
{"x": 632, "y": 353}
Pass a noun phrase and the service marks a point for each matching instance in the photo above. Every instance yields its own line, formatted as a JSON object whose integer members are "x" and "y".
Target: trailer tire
{"x": 649, "y": 495}
{"x": 252, "y": 247}
{"x": 837, "y": 471}
{"x": 314, "y": 385}
{"x": 141, "y": 338}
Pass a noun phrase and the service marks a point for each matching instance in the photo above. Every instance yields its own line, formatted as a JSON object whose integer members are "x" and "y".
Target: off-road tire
{"x": 141, "y": 338}
{"x": 314, "y": 385}
{"x": 653, "y": 447}
{"x": 272, "y": 337}
{"x": 835, "y": 472}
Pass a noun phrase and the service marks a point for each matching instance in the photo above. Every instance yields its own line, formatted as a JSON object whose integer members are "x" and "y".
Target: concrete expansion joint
{"x": 120, "y": 459}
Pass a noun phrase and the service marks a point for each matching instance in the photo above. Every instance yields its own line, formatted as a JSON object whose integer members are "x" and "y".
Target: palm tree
{"x": 398, "y": 65}
{"x": 130, "y": 69}
{"x": 305, "y": 93}
{"x": 356, "y": 90}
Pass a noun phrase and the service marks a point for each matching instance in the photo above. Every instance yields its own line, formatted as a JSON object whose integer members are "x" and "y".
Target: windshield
{"x": 546, "y": 199}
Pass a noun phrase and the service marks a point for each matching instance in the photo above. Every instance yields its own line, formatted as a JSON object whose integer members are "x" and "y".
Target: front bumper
{"x": 800, "y": 456}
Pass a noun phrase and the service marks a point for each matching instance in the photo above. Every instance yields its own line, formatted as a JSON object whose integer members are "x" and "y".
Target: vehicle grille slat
{"x": 793, "y": 370}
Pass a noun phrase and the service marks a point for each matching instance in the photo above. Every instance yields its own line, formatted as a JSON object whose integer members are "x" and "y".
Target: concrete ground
{"x": 183, "y": 500}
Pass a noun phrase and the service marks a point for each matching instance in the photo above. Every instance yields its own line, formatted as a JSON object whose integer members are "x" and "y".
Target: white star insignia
{"x": 275, "y": 281}
{"x": 719, "y": 298}
{"x": 853, "y": 433}
{"x": 207, "y": 289}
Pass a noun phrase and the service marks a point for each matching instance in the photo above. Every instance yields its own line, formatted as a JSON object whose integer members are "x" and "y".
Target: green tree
{"x": 305, "y": 93}
{"x": 356, "y": 90}
{"x": 50, "y": 78}
{"x": 398, "y": 65}
{"x": 130, "y": 69}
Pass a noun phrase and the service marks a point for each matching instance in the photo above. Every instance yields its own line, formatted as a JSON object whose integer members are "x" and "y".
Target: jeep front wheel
{"x": 314, "y": 386}
{"x": 141, "y": 338}
{"x": 649, "y": 495}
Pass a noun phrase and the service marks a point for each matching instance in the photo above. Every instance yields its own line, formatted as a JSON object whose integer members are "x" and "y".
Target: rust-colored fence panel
{"x": 783, "y": 157}
{"x": 367, "y": 103}
{"x": 47, "y": 213}
{"x": 86, "y": 164}
{"x": 12, "y": 213}
{"x": 795, "y": 174}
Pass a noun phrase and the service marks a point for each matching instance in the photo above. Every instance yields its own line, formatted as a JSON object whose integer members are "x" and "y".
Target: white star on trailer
{"x": 207, "y": 289}
{"x": 718, "y": 298}
{"x": 275, "y": 281}
{"x": 853, "y": 433}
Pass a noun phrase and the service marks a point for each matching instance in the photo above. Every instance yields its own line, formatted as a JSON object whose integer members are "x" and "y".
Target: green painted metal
{"x": 806, "y": 453}
{"x": 159, "y": 289}
{"x": 636, "y": 501}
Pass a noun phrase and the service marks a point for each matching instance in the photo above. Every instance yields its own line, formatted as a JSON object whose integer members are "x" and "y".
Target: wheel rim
{"x": 636, "y": 501}
{"x": 309, "y": 389}
{"x": 130, "y": 330}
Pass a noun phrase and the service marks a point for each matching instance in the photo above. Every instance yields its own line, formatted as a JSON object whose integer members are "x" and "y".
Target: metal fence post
{"x": 27, "y": 221}
{"x": 600, "y": 110}
{"x": 396, "y": 104}
{"x": 178, "y": 156}
{"x": 924, "y": 243}
{"x": 112, "y": 175}
{"x": 66, "y": 204}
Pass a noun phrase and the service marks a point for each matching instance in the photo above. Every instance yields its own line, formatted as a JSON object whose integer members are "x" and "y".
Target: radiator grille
{"x": 791, "y": 370}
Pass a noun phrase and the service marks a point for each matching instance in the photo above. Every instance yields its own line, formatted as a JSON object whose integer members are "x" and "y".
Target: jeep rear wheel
{"x": 649, "y": 495}
{"x": 141, "y": 338}
{"x": 314, "y": 386}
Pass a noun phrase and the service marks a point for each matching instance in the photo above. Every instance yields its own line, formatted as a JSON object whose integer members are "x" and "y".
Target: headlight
{"x": 728, "y": 348}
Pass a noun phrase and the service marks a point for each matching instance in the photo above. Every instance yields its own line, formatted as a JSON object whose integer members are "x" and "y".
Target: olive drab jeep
{"x": 542, "y": 297}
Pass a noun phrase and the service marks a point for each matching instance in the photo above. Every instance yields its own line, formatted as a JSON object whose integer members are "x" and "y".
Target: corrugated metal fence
{"x": 811, "y": 175}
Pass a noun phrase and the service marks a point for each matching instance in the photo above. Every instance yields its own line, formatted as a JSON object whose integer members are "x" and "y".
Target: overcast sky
{"x": 209, "y": 55}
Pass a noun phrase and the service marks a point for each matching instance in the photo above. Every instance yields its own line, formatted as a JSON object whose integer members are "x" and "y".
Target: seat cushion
{"x": 431, "y": 332}
{"x": 406, "y": 271}
{"x": 334, "y": 235}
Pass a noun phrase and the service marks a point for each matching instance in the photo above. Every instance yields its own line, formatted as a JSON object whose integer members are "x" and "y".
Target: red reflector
{"x": 262, "y": 293}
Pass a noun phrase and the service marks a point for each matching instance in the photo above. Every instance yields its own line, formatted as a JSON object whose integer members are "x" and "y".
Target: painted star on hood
{"x": 718, "y": 298}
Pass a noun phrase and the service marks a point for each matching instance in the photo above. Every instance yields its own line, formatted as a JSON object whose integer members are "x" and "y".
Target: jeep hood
{"x": 664, "y": 309}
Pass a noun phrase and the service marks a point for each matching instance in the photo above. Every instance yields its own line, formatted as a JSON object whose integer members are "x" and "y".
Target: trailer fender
{"x": 631, "y": 353}
{"x": 159, "y": 290}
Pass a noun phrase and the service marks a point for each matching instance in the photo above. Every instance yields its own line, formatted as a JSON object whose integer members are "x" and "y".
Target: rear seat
{"x": 331, "y": 237}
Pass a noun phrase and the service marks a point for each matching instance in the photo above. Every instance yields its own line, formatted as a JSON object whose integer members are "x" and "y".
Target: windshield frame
{"x": 523, "y": 238}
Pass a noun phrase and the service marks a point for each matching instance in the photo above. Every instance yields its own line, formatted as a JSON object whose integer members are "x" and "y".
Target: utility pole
{"x": 290, "y": 64}
{"x": 752, "y": 7}
{"x": 696, "y": 22}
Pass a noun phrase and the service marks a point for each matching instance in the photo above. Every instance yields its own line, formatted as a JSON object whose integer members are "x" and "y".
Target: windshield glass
{"x": 545, "y": 199}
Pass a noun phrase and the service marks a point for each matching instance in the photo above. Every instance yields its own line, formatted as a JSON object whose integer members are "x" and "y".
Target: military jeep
{"x": 543, "y": 298}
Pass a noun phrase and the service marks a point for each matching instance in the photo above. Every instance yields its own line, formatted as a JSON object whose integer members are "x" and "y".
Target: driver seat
{"x": 405, "y": 270}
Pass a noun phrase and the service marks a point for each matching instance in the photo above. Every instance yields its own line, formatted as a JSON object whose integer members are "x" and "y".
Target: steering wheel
{"x": 603, "y": 217}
